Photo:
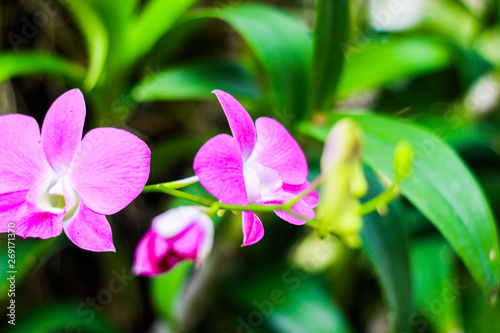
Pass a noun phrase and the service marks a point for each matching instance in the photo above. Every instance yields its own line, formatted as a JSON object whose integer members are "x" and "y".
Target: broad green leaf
{"x": 167, "y": 288}
{"x": 27, "y": 254}
{"x": 385, "y": 243}
{"x": 29, "y": 63}
{"x": 437, "y": 288}
{"x": 156, "y": 18}
{"x": 115, "y": 12}
{"x": 118, "y": 16}
{"x": 283, "y": 46}
{"x": 290, "y": 301}
{"x": 96, "y": 37}
{"x": 194, "y": 81}
{"x": 330, "y": 35}
{"x": 379, "y": 63}
{"x": 441, "y": 187}
{"x": 61, "y": 317}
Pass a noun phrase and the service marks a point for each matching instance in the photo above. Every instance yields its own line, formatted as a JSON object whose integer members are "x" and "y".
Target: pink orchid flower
{"x": 182, "y": 233}
{"x": 260, "y": 164}
{"x": 55, "y": 180}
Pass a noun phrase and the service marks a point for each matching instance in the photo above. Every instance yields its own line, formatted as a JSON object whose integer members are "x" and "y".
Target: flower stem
{"x": 173, "y": 185}
{"x": 179, "y": 194}
{"x": 380, "y": 201}
{"x": 215, "y": 205}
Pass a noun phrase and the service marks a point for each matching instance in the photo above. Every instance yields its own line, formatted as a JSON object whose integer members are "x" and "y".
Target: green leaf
{"x": 330, "y": 35}
{"x": 441, "y": 16}
{"x": 60, "y": 317}
{"x": 479, "y": 316}
{"x": 437, "y": 288}
{"x": 167, "y": 288}
{"x": 194, "y": 81}
{"x": 383, "y": 62}
{"x": 385, "y": 243}
{"x": 157, "y": 17}
{"x": 440, "y": 186}
{"x": 282, "y": 45}
{"x": 29, "y": 63}
{"x": 96, "y": 37}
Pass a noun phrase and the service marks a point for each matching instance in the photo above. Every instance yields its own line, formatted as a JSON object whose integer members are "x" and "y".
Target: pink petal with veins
{"x": 12, "y": 207}
{"x": 110, "y": 169}
{"x": 22, "y": 158}
{"x": 253, "y": 230}
{"x": 219, "y": 166}
{"x": 62, "y": 129}
{"x": 89, "y": 230}
{"x": 40, "y": 224}
{"x": 277, "y": 149}
{"x": 240, "y": 122}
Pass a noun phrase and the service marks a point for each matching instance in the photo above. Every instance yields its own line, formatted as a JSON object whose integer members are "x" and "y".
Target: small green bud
{"x": 403, "y": 159}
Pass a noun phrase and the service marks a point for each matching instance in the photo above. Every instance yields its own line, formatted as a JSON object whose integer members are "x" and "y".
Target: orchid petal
{"x": 312, "y": 198}
{"x": 149, "y": 254}
{"x": 253, "y": 230}
{"x": 277, "y": 149}
{"x": 301, "y": 208}
{"x": 240, "y": 122}
{"x": 186, "y": 244}
{"x": 110, "y": 169}
{"x": 174, "y": 221}
{"x": 191, "y": 231}
{"x": 40, "y": 224}
{"x": 22, "y": 158}
{"x": 62, "y": 129}
{"x": 11, "y": 208}
{"x": 89, "y": 230}
{"x": 219, "y": 167}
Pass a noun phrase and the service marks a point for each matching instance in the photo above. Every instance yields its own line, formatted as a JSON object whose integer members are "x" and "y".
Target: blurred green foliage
{"x": 426, "y": 72}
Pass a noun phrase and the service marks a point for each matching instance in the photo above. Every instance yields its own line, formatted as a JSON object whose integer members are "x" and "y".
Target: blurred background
{"x": 429, "y": 67}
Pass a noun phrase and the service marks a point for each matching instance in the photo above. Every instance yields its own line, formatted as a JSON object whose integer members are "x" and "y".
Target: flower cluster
{"x": 54, "y": 180}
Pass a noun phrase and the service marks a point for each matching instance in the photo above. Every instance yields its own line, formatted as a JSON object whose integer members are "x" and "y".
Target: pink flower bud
{"x": 183, "y": 233}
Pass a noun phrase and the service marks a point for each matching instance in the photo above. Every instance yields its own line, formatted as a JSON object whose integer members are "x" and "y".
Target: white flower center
{"x": 261, "y": 183}
{"x": 58, "y": 196}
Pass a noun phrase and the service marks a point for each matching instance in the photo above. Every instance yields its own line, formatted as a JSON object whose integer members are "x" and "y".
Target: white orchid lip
{"x": 261, "y": 183}
{"x": 57, "y": 197}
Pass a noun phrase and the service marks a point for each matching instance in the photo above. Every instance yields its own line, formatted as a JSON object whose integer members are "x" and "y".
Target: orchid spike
{"x": 56, "y": 180}
{"x": 260, "y": 164}
{"x": 182, "y": 233}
